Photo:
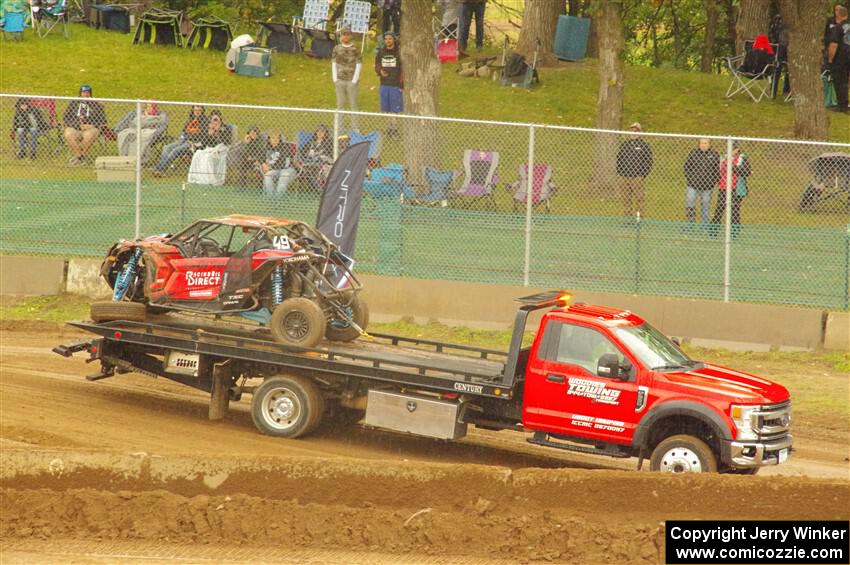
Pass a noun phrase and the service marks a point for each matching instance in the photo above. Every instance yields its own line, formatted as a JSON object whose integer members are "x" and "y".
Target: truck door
{"x": 564, "y": 394}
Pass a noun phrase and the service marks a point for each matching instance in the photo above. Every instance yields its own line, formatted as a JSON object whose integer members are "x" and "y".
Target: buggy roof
{"x": 251, "y": 221}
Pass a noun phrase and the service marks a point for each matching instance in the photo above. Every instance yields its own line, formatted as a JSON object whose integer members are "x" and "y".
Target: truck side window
{"x": 548, "y": 349}
{"x": 583, "y": 347}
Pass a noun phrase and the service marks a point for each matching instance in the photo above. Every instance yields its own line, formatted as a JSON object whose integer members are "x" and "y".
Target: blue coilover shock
{"x": 277, "y": 285}
{"x": 127, "y": 277}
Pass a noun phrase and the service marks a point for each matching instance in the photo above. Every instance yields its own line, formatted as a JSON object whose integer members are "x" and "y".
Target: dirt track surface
{"x": 130, "y": 469}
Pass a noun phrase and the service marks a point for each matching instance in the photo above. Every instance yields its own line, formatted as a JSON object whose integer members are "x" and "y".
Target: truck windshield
{"x": 653, "y": 348}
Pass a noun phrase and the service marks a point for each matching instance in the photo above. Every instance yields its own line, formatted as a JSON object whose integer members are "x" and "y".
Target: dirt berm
{"x": 412, "y": 509}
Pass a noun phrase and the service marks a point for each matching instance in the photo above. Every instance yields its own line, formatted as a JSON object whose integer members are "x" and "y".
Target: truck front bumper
{"x": 745, "y": 454}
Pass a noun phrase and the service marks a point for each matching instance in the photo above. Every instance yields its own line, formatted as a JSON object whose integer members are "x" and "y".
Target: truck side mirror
{"x": 608, "y": 366}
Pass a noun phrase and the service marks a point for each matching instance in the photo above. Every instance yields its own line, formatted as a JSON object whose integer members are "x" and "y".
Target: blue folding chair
{"x": 388, "y": 182}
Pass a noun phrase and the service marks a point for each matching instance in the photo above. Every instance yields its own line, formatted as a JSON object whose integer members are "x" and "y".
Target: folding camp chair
{"x": 13, "y": 17}
{"x": 374, "y": 139}
{"x": 388, "y": 182}
{"x": 542, "y": 188}
{"x": 439, "y": 187}
{"x": 446, "y": 43}
{"x": 54, "y": 136}
{"x": 50, "y": 14}
{"x": 480, "y": 176}
{"x": 753, "y": 71}
{"x": 830, "y": 180}
{"x": 356, "y": 16}
{"x": 313, "y": 24}
{"x": 284, "y": 38}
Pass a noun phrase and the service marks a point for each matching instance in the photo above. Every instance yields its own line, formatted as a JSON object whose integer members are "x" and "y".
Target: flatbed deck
{"x": 380, "y": 357}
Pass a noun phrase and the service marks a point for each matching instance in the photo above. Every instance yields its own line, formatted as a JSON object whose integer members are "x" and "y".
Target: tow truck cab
{"x": 605, "y": 377}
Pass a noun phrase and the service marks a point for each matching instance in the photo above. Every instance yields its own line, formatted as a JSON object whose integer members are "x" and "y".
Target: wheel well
{"x": 682, "y": 424}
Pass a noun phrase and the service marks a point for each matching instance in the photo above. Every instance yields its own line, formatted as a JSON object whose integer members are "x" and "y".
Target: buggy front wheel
{"x": 298, "y": 321}
{"x": 342, "y": 330}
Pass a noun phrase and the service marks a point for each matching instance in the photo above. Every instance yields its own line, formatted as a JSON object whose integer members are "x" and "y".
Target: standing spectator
{"x": 778, "y": 35}
{"x": 345, "y": 69}
{"x": 838, "y": 56}
{"x": 702, "y": 173}
{"x": 277, "y": 168}
{"x": 388, "y": 67}
{"x": 246, "y": 157}
{"x": 634, "y": 163}
{"x": 27, "y": 124}
{"x": 391, "y": 12}
{"x": 468, "y": 8}
{"x": 83, "y": 120}
{"x": 154, "y": 124}
{"x": 739, "y": 190}
{"x": 191, "y": 134}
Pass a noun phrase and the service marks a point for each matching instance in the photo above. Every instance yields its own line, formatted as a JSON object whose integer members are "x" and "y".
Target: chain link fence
{"x": 633, "y": 212}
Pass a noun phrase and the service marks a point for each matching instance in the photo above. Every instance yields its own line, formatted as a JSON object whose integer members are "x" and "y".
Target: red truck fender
{"x": 694, "y": 415}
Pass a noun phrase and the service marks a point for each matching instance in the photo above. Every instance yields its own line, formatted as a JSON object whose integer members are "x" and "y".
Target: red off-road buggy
{"x": 282, "y": 272}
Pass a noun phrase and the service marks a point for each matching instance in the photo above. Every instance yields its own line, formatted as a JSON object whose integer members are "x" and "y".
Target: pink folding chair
{"x": 542, "y": 187}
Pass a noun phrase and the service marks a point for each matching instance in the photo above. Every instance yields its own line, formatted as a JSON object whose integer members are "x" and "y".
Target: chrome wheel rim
{"x": 281, "y": 409}
{"x": 680, "y": 460}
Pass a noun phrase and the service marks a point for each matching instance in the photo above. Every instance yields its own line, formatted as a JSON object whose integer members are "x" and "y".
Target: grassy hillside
{"x": 661, "y": 99}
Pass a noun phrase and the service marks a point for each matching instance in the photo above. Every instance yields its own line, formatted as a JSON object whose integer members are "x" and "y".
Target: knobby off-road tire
{"x": 298, "y": 321}
{"x": 111, "y": 311}
{"x": 683, "y": 454}
{"x": 287, "y": 406}
{"x": 338, "y": 330}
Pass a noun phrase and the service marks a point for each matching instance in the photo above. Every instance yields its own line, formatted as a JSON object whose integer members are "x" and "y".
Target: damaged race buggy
{"x": 282, "y": 273}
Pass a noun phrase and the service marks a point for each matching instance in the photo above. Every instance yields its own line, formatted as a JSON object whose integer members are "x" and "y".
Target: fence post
{"x": 529, "y": 188}
{"x": 637, "y": 252}
{"x": 336, "y": 135}
{"x": 727, "y": 232}
{"x": 847, "y": 269}
{"x": 138, "y": 169}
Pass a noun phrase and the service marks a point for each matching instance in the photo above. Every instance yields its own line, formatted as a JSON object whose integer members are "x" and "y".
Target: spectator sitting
{"x": 191, "y": 134}
{"x": 153, "y": 125}
{"x": 245, "y": 157}
{"x": 26, "y": 125}
{"x": 277, "y": 168}
{"x": 83, "y": 120}
{"x": 758, "y": 57}
{"x": 315, "y": 158}
{"x": 209, "y": 160}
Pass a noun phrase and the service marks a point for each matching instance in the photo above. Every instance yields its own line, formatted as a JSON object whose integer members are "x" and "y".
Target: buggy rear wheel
{"x": 342, "y": 330}
{"x": 298, "y": 321}
{"x": 111, "y": 311}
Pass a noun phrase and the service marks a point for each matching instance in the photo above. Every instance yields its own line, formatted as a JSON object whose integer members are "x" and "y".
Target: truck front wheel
{"x": 287, "y": 406}
{"x": 683, "y": 454}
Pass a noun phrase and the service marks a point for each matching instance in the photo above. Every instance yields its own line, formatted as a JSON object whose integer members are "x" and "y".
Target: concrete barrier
{"x": 31, "y": 276}
{"x": 733, "y": 325}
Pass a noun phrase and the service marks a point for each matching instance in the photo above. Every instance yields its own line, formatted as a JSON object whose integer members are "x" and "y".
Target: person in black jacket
{"x": 634, "y": 163}
{"x": 702, "y": 173}
{"x": 27, "y": 124}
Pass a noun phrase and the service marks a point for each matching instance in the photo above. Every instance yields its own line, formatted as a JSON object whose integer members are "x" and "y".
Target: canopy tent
{"x": 112, "y": 17}
{"x": 210, "y": 33}
{"x": 159, "y": 27}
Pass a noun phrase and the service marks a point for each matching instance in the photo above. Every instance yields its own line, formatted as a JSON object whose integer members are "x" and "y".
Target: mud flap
{"x": 220, "y": 394}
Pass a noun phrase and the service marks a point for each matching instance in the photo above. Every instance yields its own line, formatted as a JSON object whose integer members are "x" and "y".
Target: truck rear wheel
{"x": 683, "y": 454}
{"x": 298, "y": 321}
{"x": 111, "y": 311}
{"x": 287, "y": 406}
{"x": 341, "y": 330}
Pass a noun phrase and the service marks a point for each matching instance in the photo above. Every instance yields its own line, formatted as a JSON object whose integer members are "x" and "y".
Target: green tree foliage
{"x": 242, "y": 14}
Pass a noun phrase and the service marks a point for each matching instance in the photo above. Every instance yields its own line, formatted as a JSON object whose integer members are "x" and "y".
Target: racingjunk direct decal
{"x": 593, "y": 390}
{"x": 203, "y": 278}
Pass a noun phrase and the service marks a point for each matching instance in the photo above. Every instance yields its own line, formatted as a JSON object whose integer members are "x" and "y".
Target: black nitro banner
{"x": 339, "y": 210}
{"x": 752, "y": 541}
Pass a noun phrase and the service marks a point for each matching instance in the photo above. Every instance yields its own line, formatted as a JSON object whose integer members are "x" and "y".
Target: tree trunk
{"x": 753, "y": 20}
{"x": 731, "y": 18}
{"x": 421, "y": 90}
{"x": 711, "y": 14}
{"x": 804, "y": 62}
{"x": 609, "y": 102}
{"x": 538, "y": 24}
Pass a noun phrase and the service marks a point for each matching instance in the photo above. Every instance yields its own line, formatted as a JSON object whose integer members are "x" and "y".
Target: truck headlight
{"x": 743, "y": 416}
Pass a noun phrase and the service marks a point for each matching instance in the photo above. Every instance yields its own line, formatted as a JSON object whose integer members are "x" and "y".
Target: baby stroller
{"x": 830, "y": 179}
